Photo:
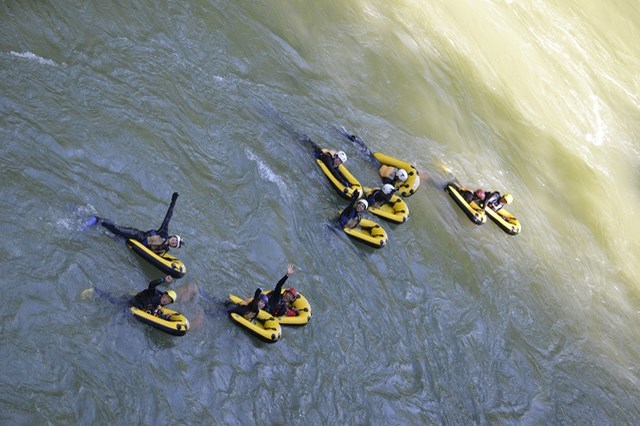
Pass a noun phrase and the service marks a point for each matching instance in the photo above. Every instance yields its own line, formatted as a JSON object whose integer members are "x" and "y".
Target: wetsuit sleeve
{"x": 325, "y": 158}
{"x": 277, "y": 292}
{"x": 164, "y": 228}
{"x": 254, "y": 301}
{"x": 491, "y": 199}
{"x": 346, "y": 215}
{"x": 278, "y": 288}
{"x": 348, "y": 211}
{"x": 155, "y": 283}
{"x": 376, "y": 196}
{"x": 257, "y": 294}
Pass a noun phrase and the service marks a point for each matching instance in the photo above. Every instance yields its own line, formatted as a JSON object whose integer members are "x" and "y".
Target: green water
{"x": 107, "y": 108}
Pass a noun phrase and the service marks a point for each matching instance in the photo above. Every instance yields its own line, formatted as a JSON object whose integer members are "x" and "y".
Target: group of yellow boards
{"x": 166, "y": 319}
{"x": 368, "y": 231}
{"x": 395, "y": 210}
{"x": 505, "y": 220}
{"x": 266, "y": 326}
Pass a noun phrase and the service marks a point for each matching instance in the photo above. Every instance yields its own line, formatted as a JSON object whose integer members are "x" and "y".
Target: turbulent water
{"x": 107, "y": 108}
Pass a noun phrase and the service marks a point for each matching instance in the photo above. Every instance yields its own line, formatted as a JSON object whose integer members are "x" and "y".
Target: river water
{"x": 107, "y": 108}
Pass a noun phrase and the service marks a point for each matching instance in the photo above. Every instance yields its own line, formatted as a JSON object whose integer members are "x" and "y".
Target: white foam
{"x": 33, "y": 57}
{"x": 268, "y": 174}
{"x": 598, "y": 137}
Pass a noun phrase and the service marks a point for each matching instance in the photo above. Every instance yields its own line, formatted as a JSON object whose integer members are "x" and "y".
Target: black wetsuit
{"x": 365, "y": 149}
{"x": 492, "y": 200}
{"x": 470, "y": 197}
{"x": 276, "y": 306}
{"x": 350, "y": 212}
{"x": 121, "y": 301}
{"x": 327, "y": 159}
{"x": 373, "y": 160}
{"x": 249, "y": 311}
{"x": 158, "y": 245}
{"x": 149, "y": 299}
{"x": 395, "y": 181}
{"x": 378, "y": 198}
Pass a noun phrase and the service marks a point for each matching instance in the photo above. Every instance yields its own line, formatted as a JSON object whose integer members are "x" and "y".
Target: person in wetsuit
{"x": 380, "y": 196}
{"x": 352, "y": 214}
{"x": 250, "y": 310}
{"x": 392, "y": 175}
{"x": 157, "y": 240}
{"x": 331, "y": 159}
{"x": 151, "y": 299}
{"x": 495, "y": 201}
{"x": 477, "y": 197}
{"x": 279, "y": 303}
{"x": 389, "y": 174}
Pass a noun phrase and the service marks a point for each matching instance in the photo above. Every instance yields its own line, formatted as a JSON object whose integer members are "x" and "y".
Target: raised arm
{"x": 290, "y": 271}
{"x": 155, "y": 283}
{"x": 164, "y": 228}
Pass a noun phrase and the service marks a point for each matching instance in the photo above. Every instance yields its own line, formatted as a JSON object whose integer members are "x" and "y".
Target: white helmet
{"x": 342, "y": 156}
{"x": 387, "y": 188}
{"x": 179, "y": 242}
{"x": 401, "y": 175}
{"x": 363, "y": 201}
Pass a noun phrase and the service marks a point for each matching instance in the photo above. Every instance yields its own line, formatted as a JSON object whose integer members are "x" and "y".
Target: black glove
{"x": 174, "y": 196}
{"x": 257, "y": 293}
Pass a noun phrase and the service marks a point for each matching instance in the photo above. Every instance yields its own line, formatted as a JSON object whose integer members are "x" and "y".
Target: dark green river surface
{"x": 106, "y": 108}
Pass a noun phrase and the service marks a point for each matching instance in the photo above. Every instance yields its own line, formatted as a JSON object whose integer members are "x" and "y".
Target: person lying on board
{"x": 392, "y": 175}
{"x": 388, "y": 174}
{"x": 152, "y": 300}
{"x": 279, "y": 303}
{"x": 380, "y": 196}
{"x": 352, "y": 214}
{"x": 495, "y": 201}
{"x": 157, "y": 240}
{"x": 331, "y": 159}
{"x": 249, "y": 310}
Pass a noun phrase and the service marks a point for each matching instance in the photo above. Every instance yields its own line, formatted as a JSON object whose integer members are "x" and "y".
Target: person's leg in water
{"x": 121, "y": 231}
{"x": 363, "y": 147}
{"x": 120, "y": 301}
{"x": 306, "y": 139}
